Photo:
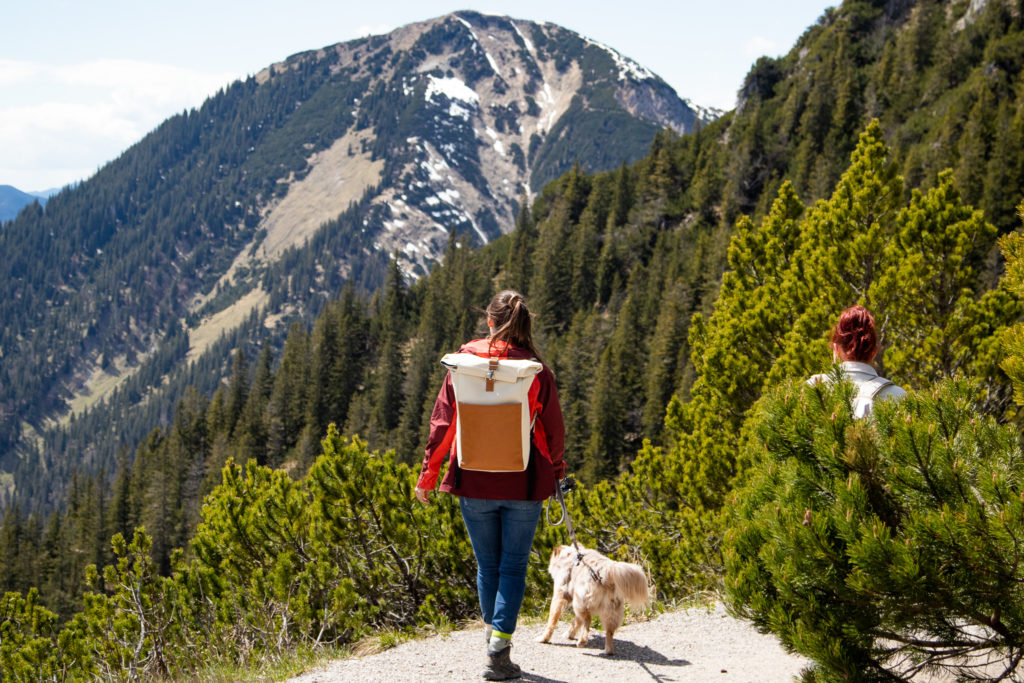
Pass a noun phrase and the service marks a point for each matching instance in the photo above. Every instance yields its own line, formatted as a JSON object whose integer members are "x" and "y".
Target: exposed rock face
{"x": 973, "y": 10}
{"x": 482, "y": 110}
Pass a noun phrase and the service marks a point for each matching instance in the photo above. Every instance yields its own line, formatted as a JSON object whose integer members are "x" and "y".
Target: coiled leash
{"x": 563, "y": 487}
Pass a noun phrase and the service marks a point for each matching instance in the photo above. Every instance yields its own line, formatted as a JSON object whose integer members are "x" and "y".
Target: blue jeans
{"x": 501, "y": 532}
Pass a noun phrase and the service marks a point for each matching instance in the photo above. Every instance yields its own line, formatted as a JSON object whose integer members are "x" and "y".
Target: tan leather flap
{"x": 491, "y": 437}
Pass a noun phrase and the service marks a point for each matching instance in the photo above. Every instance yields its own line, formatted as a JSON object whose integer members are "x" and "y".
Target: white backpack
{"x": 493, "y": 421}
{"x": 864, "y": 401}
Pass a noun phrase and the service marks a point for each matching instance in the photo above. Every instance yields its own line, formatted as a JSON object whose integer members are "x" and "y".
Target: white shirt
{"x": 860, "y": 374}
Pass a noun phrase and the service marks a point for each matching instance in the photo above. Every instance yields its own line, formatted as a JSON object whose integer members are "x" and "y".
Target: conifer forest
{"x": 681, "y": 301}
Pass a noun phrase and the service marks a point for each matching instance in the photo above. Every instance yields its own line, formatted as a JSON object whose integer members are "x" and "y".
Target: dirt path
{"x": 688, "y": 645}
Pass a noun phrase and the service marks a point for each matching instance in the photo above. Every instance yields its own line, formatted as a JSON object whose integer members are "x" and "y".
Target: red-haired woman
{"x": 500, "y": 509}
{"x": 854, "y": 346}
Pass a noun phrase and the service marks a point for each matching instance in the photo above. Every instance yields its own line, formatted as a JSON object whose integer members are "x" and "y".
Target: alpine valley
{"x": 266, "y": 510}
{"x": 232, "y": 220}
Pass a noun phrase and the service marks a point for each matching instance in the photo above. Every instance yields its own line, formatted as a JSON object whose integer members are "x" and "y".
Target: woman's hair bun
{"x": 854, "y": 335}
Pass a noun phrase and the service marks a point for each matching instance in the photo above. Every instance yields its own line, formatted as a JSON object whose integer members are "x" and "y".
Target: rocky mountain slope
{"x": 460, "y": 117}
{"x": 230, "y": 221}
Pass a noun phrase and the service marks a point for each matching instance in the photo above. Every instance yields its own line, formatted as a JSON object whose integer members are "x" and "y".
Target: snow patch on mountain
{"x": 490, "y": 59}
{"x": 627, "y": 67}
{"x": 458, "y": 93}
{"x": 706, "y": 114}
{"x": 529, "y": 44}
{"x": 452, "y": 88}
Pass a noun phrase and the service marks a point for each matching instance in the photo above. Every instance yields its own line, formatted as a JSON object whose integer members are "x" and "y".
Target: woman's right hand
{"x": 423, "y": 495}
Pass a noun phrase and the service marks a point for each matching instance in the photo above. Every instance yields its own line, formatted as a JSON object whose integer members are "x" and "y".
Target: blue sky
{"x": 82, "y": 80}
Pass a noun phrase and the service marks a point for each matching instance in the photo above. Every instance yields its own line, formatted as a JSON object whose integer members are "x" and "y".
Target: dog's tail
{"x": 631, "y": 583}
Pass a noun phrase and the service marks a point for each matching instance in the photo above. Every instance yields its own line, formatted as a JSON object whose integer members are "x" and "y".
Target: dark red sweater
{"x": 537, "y": 482}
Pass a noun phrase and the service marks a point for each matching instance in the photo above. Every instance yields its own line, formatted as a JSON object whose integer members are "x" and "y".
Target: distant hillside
{"x": 228, "y": 222}
{"x": 941, "y": 76}
{"x": 13, "y": 200}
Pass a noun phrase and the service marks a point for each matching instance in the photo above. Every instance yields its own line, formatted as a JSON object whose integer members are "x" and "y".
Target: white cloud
{"x": 17, "y": 72}
{"x": 759, "y": 46}
{"x": 56, "y": 120}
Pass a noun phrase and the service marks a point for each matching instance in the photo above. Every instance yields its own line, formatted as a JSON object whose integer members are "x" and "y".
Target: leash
{"x": 567, "y": 519}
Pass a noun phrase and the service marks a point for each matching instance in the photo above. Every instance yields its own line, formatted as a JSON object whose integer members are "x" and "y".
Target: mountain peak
{"x": 483, "y": 109}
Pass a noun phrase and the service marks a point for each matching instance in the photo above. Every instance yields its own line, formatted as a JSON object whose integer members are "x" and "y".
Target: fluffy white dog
{"x": 595, "y": 585}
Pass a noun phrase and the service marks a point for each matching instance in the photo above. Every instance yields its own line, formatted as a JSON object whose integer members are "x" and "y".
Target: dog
{"x": 595, "y": 585}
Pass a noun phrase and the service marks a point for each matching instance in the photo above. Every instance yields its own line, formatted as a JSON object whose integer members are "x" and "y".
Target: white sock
{"x": 487, "y": 632}
{"x": 497, "y": 643}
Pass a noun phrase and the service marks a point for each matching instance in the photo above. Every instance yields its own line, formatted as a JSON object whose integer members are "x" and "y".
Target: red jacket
{"x": 546, "y": 466}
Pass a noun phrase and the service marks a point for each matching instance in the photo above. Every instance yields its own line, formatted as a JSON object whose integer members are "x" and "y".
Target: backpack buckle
{"x": 492, "y": 365}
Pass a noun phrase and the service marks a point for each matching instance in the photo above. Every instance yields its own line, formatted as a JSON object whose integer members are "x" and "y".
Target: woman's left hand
{"x": 423, "y": 495}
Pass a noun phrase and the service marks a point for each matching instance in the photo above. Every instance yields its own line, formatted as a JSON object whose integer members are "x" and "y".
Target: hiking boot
{"x": 499, "y": 666}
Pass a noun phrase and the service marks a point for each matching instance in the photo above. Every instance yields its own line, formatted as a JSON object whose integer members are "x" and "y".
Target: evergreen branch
{"x": 953, "y": 645}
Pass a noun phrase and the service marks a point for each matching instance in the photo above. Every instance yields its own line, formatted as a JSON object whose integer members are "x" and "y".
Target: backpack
{"x": 864, "y": 401}
{"x": 493, "y": 419}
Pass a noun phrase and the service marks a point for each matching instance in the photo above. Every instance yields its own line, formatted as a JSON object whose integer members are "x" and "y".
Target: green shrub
{"x": 886, "y": 547}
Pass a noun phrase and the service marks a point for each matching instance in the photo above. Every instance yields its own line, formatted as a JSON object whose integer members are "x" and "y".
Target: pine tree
{"x": 122, "y": 517}
{"x": 938, "y": 320}
{"x": 519, "y": 265}
{"x": 1012, "y": 338}
{"x": 575, "y": 361}
{"x": 339, "y": 347}
{"x": 425, "y": 373}
{"x": 390, "y": 371}
{"x": 551, "y": 286}
{"x": 1004, "y": 175}
{"x": 250, "y": 434}
{"x": 880, "y": 548}
{"x": 584, "y": 252}
{"x": 286, "y": 410}
{"x": 667, "y": 348}
{"x": 11, "y": 542}
{"x": 238, "y": 388}
{"x": 618, "y": 395}
{"x": 160, "y": 496}
{"x": 610, "y": 260}
{"x": 735, "y": 350}
{"x": 29, "y": 651}
{"x": 974, "y": 145}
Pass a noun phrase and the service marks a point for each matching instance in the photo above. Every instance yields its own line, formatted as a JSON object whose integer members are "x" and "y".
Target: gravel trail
{"x": 698, "y": 644}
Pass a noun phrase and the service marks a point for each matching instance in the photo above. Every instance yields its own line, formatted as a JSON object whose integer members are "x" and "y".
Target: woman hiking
{"x": 854, "y": 347}
{"x": 500, "y": 508}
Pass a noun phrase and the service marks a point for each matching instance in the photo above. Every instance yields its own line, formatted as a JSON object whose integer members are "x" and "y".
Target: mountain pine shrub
{"x": 886, "y": 547}
{"x": 29, "y": 646}
{"x": 328, "y": 558}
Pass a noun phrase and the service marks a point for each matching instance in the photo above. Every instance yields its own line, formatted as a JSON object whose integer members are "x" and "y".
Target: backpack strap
{"x": 492, "y": 365}
{"x": 872, "y": 388}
